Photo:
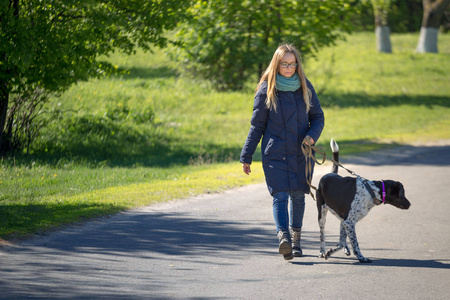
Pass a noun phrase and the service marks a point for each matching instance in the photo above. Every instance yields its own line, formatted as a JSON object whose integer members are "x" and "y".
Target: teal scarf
{"x": 286, "y": 84}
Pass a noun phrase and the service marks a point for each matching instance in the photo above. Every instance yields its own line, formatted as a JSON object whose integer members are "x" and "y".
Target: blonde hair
{"x": 271, "y": 72}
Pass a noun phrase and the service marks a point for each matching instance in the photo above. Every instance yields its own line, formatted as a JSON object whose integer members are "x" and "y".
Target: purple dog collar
{"x": 384, "y": 192}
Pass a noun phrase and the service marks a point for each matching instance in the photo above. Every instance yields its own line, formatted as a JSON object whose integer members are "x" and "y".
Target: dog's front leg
{"x": 342, "y": 243}
{"x": 351, "y": 233}
{"x": 343, "y": 240}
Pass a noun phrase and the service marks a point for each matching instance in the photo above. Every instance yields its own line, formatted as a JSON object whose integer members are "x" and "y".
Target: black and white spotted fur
{"x": 349, "y": 200}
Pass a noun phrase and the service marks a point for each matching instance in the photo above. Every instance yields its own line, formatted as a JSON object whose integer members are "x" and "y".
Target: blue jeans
{"x": 293, "y": 217}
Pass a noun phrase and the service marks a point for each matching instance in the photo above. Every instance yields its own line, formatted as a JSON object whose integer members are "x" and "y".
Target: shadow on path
{"x": 80, "y": 263}
{"x": 164, "y": 233}
{"x": 380, "y": 262}
{"x": 411, "y": 263}
{"x": 403, "y": 155}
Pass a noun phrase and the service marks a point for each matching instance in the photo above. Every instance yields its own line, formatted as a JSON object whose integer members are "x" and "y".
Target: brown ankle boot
{"x": 285, "y": 247}
{"x": 296, "y": 234}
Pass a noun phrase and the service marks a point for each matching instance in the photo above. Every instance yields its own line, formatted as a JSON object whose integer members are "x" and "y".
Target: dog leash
{"x": 309, "y": 151}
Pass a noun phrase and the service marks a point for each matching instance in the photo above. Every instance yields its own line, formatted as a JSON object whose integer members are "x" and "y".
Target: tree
{"x": 381, "y": 10}
{"x": 48, "y": 45}
{"x": 229, "y": 40}
{"x": 433, "y": 11}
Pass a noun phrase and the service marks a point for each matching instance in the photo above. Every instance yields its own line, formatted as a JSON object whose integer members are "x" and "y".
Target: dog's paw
{"x": 365, "y": 260}
{"x": 347, "y": 251}
{"x": 329, "y": 252}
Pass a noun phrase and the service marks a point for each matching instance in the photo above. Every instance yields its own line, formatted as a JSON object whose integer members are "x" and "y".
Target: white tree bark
{"x": 427, "y": 40}
{"x": 382, "y": 34}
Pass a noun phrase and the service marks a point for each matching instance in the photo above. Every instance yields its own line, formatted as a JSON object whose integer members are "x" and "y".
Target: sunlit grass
{"x": 403, "y": 97}
{"x": 19, "y": 218}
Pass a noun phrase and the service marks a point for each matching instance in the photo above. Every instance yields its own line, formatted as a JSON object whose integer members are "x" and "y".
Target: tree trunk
{"x": 4, "y": 99}
{"x": 382, "y": 31}
{"x": 427, "y": 40}
{"x": 5, "y": 88}
{"x": 382, "y": 34}
{"x": 432, "y": 16}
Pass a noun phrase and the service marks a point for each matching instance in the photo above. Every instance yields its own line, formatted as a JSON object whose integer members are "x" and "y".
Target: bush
{"x": 228, "y": 41}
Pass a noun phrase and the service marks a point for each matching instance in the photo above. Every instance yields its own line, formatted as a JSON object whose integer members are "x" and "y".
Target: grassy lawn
{"x": 401, "y": 97}
{"x": 153, "y": 133}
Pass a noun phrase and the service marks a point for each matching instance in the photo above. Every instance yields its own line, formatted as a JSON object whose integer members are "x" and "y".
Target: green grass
{"x": 154, "y": 134}
{"x": 45, "y": 205}
{"x": 401, "y": 97}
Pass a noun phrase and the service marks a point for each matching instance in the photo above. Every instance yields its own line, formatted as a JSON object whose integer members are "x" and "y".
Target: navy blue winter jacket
{"x": 282, "y": 133}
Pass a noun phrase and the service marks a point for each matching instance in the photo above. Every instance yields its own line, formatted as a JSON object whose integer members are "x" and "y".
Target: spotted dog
{"x": 350, "y": 199}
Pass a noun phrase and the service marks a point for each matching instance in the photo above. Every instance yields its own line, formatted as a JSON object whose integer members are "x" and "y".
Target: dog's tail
{"x": 335, "y": 148}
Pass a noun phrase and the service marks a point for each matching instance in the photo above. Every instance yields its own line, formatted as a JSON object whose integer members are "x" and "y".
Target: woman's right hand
{"x": 246, "y": 168}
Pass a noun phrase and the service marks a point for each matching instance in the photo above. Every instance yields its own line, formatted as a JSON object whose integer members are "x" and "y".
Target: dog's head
{"x": 395, "y": 194}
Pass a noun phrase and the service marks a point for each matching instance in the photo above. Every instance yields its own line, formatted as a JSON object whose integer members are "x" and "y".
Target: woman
{"x": 286, "y": 112}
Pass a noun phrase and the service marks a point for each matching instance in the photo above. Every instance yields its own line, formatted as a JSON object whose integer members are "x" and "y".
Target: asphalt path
{"x": 224, "y": 246}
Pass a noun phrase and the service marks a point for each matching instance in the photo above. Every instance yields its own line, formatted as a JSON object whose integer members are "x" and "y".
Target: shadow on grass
{"x": 364, "y": 100}
{"x": 162, "y": 153}
{"x": 147, "y": 73}
{"x": 166, "y": 152}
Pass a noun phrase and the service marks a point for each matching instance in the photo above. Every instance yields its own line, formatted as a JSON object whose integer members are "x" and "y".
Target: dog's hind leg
{"x": 322, "y": 219}
{"x": 351, "y": 233}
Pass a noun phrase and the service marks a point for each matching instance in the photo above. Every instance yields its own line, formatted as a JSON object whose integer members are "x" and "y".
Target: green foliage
{"x": 56, "y": 43}
{"x": 381, "y": 10}
{"x": 52, "y": 44}
{"x": 404, "y": 16}
{"x": 228, "y": 41}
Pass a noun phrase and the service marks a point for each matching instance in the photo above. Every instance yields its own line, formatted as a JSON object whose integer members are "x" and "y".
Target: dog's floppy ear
{"x": 398, "y": 190}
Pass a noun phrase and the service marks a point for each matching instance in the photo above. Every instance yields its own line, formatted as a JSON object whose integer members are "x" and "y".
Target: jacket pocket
{"x": 269, "y": 146}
